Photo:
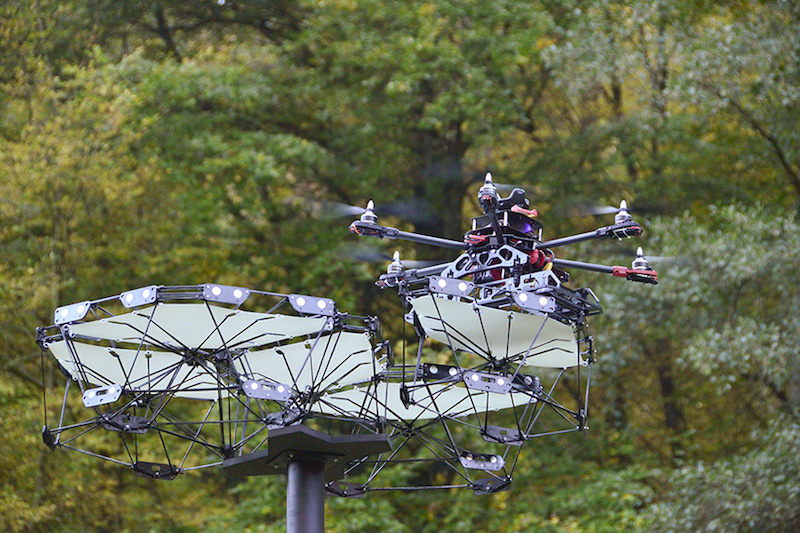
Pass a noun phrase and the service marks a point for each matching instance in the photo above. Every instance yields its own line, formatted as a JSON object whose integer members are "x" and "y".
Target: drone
{"x": 187, "y": 377}
{"x": 504, "y": 252}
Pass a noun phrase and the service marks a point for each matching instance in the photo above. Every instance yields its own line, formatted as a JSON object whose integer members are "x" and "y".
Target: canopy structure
{"x": 493, "y": 372}
{"x": 183, "y": 377}
{"x": 170, "y": 379}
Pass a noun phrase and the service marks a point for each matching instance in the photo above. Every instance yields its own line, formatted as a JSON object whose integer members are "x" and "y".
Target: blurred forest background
{"x": 180, "y": 142}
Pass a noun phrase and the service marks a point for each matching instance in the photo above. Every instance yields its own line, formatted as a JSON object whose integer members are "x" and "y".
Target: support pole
{"x": 305, "y": 495}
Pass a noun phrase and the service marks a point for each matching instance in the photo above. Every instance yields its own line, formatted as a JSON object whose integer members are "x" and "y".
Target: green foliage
{"x": 755, "y": 491}
{"x": 174, "y": 142}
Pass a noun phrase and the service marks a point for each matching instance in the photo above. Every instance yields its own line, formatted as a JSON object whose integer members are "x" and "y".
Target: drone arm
{"x": 369, "y": 229}
{"x": 391, "y": 280}
{"x": 566, "y": 263}
{"x": 631, "y": 274}
{"x": 616, "y": 231}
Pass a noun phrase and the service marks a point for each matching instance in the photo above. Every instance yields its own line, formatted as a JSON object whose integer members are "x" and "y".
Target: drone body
{"x": 505, "y": 246}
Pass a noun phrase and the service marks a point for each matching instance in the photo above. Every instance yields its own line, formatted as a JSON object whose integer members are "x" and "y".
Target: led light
{"x": 138, "y": 297}
{"x": 488, "y": 382}
{"x": 481, "y": 461}
{"x": 311, "y": 305}
{"x": 536, "y": 303}
{"x": 71, "y": 313}
{"x": 433, "y": 369}
{"x": 453, "y": 371}
{"x": 451, "y": 287}
{"x": 266, "y": 391}
{"x": 101, "y": 395}
{"x": 225, "y": 294}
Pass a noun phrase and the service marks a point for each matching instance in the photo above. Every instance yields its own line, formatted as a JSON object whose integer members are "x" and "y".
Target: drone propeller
{"x": 501, "y": 187}
{"x": 628, "y": 253}
{"x": 325, "y": 209}
{"x": 663, "y": 259}
{"x": 370, "y": 254}
{"x": 594, "y": 209}
{"x": 415, "y": 210}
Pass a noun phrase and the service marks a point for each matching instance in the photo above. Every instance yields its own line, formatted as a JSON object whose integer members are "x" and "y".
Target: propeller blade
{"x": 629, "y": 253}
{"x": 595, "y": 209}
{"x": 326, "y": 210}
{"x": 369, "y": 254}
{"x": 501, "y": 187}
{"x": 416, "y": 210}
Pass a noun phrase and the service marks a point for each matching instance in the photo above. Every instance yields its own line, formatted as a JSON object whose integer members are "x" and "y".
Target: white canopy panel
{"x": 501, "y": 334}
{"x": 433, "y": 401}
{"x": 336, "y": 360}
{"x": 198, "y": 325}
{"x": 142, "y": 371}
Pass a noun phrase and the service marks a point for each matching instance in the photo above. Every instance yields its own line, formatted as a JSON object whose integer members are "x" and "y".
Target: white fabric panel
{"x": 488, "y": 331}
{"x": 341, "y": 358}
{"x": 431, "y": 402}
{"x": 197, "y": 325}
{"x": 131, "y": 370}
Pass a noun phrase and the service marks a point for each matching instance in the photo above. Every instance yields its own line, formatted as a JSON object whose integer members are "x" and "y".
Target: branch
{"x": 772, "y": 139}
{"x": 164, "y": 31}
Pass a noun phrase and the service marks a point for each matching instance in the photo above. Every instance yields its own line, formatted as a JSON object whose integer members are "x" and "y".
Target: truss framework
{"x": 170, "y": 379}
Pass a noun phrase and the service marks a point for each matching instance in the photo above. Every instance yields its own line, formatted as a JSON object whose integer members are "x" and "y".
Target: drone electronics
{"x": 170, "y": 379}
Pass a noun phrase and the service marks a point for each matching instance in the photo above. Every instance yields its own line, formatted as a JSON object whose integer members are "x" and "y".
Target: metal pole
{"x": 305, "y": 495}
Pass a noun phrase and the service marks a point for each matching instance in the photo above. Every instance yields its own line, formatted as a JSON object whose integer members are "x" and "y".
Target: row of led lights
{"x": 453, "y": 372}
{"x": 211, "y": 292}
{"x": 254, "y": 389}
{"x": 148, "y": 295}
{"x": 461, "y": 288}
